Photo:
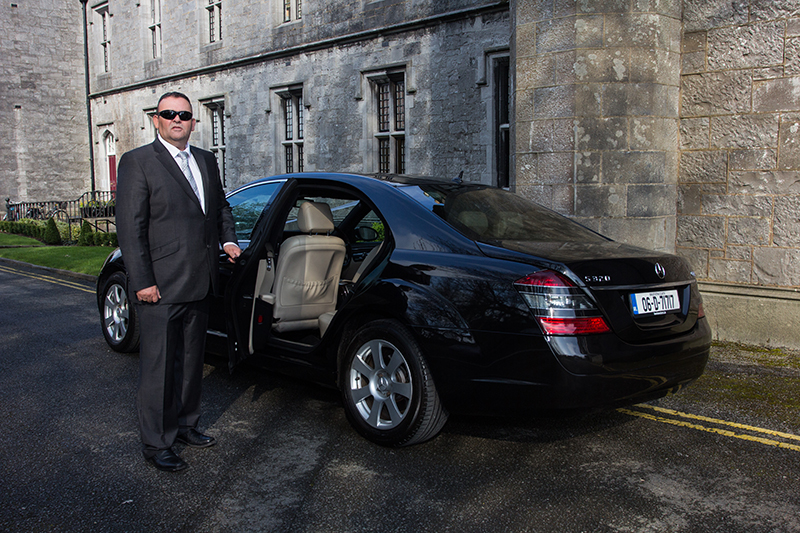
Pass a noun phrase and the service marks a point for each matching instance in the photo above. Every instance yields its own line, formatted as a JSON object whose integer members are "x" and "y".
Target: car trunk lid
{"x": 644, "y": 295}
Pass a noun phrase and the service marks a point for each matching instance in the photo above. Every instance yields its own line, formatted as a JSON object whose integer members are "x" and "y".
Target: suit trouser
{"x": 171, "y": 350}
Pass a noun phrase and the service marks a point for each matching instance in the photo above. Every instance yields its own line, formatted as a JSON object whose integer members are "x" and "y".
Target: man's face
{"x": 175, "y": 131}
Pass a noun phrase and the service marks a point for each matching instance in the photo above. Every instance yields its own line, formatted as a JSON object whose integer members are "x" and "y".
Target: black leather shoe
{"x": 168, "y": 461}
{"x": 195, "y": 439}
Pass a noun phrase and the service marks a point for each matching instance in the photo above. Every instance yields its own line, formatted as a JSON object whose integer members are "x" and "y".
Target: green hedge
{"x": 58, "y": 232}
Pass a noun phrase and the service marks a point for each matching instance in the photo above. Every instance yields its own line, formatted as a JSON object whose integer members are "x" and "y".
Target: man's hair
{"x": 173, "y": 94}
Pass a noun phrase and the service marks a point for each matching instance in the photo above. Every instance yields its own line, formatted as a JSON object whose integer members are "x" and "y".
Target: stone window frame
{"x": 387, "y": 118}
{"x": 214, "y": 131}
{"x": 500, "y": 170}
{"x": 154, "y": 27}
{"x": 501, "y": 119}
{"x": 290, "y": 10}
{"x": 213, "y": 21}
{"x": 293, "y": 109}
{"x": 149, "y": 126}
{"x": 102, "y": 16}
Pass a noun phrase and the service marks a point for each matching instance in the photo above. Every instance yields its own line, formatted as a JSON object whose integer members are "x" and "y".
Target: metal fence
{"x": 98, "y": 207}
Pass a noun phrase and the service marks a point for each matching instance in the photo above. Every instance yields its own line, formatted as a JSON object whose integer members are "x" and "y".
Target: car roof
{"x": 355, "y": 179}
{"x": 421, "y": 229}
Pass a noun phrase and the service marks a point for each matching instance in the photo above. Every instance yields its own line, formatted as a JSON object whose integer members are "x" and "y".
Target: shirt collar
{"x": 173, "y": 150}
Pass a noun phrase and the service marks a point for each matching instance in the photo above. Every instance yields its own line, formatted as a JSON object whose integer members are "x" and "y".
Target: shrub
{"x": 51, "y": 234}
{"x": 87, "y": 235}
{"x": 67, "y": 236}
{"x": 101, "y": 239}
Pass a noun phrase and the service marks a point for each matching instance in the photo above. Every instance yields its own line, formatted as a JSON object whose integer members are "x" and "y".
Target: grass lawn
{"x": 82, "y": 259}
{"x": 6, "y": 239}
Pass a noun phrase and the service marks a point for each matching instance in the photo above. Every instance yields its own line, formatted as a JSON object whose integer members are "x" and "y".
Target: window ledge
{"x": 210, "y": 47}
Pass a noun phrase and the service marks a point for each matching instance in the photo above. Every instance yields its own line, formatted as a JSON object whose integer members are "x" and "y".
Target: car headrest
{"x": 315, "y": 217}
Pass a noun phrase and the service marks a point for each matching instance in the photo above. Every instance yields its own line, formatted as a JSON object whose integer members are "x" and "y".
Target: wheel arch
{"x": 417, "y": 307}
{"x": 112, "y": 265}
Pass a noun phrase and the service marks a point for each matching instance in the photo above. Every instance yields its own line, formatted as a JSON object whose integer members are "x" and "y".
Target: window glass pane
{"x": 289, "y": 158}
{"x": 400, "y": 105}
{"x": 211, "y": 30}
{"x": 300, "y": 158}
{"x": 383, "y": 155}
{"x": 299, "y": 117}
{"x": 288, "y": 118}
{"x": 247, "y": 205}
{"x": 493, "y": 215}
{"x": 383, "y": 107}
{"x": 215, "y": 127}
{"x": 501, "y": 125}
{"x": 400, "y": 154}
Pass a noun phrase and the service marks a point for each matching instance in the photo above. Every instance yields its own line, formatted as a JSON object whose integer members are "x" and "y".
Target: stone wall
{"x": 447, "y": 99}
{"x": 249, "y": 29}
{"x": 44, "y": 154}
{"x": 596, "y": 109}
{"x": 739, "y": 183}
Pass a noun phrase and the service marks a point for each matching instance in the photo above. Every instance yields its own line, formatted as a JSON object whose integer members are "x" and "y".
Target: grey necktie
{"x": 188, "y": 173}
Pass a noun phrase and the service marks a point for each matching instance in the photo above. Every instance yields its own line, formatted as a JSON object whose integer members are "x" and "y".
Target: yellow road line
{"x": 722, "y": 422}
{"x": 719, "y": 431}
{"x": 48, "y": 279}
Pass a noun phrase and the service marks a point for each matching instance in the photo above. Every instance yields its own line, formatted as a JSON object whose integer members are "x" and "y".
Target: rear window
{"x": 491, "y": 215}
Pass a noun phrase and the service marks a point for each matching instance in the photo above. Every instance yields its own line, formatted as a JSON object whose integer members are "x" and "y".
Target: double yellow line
{"x": 49, "y": 279}
{"x": 690, "y": 421}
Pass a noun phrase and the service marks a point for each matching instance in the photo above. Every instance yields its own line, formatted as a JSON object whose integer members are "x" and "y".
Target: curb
{"x": 55, "y": 271}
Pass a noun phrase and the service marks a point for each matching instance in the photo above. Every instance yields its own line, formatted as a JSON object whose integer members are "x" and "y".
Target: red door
{"x": 112, "y": 172}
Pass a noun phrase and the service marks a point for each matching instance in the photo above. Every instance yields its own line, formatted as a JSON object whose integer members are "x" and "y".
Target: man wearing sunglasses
{"x": 172, "y": 217}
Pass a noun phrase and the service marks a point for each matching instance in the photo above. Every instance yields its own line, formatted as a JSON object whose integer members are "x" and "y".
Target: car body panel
{"x": 485, "y": 350}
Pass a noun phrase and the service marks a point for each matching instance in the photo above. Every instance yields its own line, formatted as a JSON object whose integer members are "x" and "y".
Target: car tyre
{"x": 389, "y": 394}
{"x": 118, "y": 315}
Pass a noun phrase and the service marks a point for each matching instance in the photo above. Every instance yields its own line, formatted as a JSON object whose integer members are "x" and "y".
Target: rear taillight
{"x": 700, "y": 311}
{"x": 559, "y": 305}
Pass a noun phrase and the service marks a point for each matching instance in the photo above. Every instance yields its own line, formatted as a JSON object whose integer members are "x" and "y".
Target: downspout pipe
{"x": 88, "y": 93}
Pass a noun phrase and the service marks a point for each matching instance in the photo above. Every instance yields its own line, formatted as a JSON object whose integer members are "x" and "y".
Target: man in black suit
{"x": 172, "y": 216}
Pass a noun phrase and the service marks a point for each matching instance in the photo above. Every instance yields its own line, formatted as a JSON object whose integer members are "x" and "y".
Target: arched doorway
{"x": 109, "y": 143}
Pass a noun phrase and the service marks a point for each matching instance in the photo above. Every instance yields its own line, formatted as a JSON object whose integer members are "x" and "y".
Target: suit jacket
{"x": 165, "y": 237}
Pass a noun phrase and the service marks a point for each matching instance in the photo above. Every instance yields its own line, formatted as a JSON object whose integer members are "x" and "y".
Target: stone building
{"x": 670, "y": 124}
{"x": 43, "y": 129}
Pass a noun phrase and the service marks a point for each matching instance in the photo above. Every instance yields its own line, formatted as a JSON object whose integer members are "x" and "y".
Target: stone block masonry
{"x": 740, "y": 159}
{"x": 609, "y": 73}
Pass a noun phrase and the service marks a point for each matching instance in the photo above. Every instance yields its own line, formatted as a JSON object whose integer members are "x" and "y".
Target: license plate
{"x": 655, "y": 303}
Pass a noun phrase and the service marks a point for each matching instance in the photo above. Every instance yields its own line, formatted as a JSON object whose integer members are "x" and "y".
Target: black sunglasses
{"x": 169, "y": 114}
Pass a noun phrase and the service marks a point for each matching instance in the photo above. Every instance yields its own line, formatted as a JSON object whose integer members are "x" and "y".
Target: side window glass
{"x": 247, "y": 206}
{"x": 370, "y": 229}
{"x": 339, "y": 209}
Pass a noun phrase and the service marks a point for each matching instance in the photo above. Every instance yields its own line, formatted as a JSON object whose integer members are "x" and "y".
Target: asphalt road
{"x": 722, "y": 455}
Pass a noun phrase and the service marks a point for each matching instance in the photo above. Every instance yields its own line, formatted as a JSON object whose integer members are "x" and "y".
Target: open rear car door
{"x": 251, "y": 277}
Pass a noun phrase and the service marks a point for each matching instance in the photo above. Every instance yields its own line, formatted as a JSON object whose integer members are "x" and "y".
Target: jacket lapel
{"x": 169, "y": 163}
{"x": 201, "y": 163}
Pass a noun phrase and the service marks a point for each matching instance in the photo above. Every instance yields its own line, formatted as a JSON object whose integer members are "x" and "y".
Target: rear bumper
{"x": 585, "y": 378}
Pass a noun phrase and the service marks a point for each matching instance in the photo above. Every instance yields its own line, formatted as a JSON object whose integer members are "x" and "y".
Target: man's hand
{"x": 233, "y": 252}
{"x": 149, "y": 295}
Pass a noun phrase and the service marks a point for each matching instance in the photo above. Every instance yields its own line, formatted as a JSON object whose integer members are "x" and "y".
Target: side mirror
{"x": 366, "y": 233}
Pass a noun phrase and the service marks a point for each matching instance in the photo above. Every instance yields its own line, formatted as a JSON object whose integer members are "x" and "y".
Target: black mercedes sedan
{"x": 418, "y": 297}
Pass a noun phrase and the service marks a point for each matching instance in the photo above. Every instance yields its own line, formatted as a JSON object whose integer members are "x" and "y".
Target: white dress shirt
{"x": 198, "y": 177}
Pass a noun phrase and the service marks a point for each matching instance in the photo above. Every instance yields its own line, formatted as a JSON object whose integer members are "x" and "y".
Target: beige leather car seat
{"x": 307, "y": 273}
